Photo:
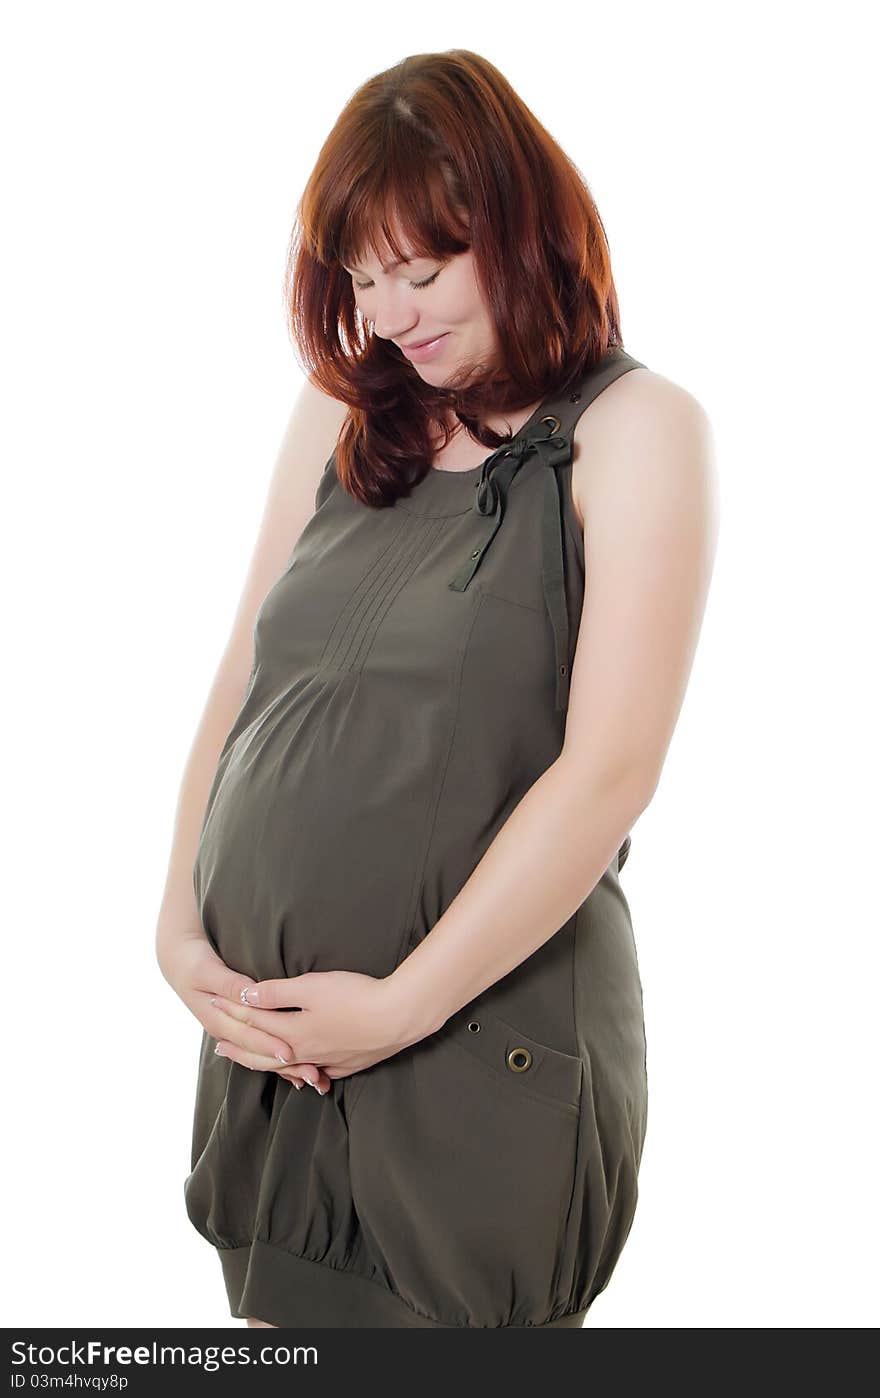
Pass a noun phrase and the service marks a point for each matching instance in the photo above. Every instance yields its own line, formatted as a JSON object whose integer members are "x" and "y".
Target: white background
{"x": 154, "y": 155}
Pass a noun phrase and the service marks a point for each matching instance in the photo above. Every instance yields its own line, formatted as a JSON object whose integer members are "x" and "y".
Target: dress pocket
{"x": 525, "y": 1065}
{"x": 462, "y": 1153}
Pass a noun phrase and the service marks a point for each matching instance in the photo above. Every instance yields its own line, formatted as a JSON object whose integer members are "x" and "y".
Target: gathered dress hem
{"x": 257, "y": 1276}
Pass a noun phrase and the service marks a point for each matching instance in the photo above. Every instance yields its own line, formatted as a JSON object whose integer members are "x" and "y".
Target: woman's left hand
{"x": 342, "y": 1021}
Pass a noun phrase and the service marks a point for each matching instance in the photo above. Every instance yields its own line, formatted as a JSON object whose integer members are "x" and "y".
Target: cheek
{"x": 459, "y": 299}
{"x": 461, "y": 315}
{"x": 467, "y": 312}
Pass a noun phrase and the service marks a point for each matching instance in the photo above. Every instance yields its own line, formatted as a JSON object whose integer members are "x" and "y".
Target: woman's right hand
{"x": 195, "y": 972}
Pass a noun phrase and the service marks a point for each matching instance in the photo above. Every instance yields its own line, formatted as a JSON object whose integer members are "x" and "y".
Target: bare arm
{"x": 649, "y": 497}
{"x": 308, "y": 442}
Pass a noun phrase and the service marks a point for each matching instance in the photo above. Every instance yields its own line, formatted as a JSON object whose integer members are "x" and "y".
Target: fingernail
{"x": 298, "y": 1086}
{"x": 219, "y": 1050}
{"x": 286, "y": 1061}
{"x": 252, "y": 997}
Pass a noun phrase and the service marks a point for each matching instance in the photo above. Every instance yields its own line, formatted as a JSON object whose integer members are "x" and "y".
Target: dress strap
{"x": 551, "y": 439}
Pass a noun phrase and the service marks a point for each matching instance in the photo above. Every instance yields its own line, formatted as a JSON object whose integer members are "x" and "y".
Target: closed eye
{"x": 365, "y": 286}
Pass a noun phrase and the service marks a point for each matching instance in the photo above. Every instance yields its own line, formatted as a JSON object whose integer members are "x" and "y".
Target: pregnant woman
{"x": 457, "y": 664}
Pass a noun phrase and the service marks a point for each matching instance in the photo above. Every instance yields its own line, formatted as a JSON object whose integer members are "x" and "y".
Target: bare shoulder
{"x": 321, "y": 402}
{"x": 643, "y": 434}
{"x": 309, "y": 438}
{"x": 315, "y": 412}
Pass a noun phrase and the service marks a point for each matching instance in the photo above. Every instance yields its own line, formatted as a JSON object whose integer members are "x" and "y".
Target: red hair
{"x": 441, "y": 146}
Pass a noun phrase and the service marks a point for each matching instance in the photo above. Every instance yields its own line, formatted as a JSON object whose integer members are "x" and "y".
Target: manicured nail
{"x": 250, "y": 996}
{"x": 286, "y": 1061}
{"x": 298, "y": 1086}
{"x": 220, "y": 1050}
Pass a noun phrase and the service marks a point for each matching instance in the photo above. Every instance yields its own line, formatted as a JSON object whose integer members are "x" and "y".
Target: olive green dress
{"x": 410, "y": 684}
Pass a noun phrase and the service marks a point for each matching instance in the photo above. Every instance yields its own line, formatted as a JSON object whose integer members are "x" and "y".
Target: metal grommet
{"x": 563, "y": 669}
{"x": 519, "y": 1059}
{"x": 474, "y": 1026}
{"x": 556, "y": 424}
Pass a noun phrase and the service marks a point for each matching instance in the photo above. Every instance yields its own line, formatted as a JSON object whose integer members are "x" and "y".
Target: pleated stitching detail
{"x": 355, "y": 630}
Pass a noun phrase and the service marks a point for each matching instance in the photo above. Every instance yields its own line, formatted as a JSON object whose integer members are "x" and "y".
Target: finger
{"x": 273, "y": 1022}
{"x": 222, "y": 1025}
{"x": 293, "y": 992}
{"x": 309, "y": 1075}
{"x": 229, "y": 984}
{"x": 308, "y": 1072}
{"x": 281, "y": 1023}
{"x": 297, "y": 1082}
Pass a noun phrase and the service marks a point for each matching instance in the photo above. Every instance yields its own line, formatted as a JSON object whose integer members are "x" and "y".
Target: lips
{"x": 420, "y": 344}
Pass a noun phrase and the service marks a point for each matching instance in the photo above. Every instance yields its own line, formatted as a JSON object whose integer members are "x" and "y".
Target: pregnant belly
{"x": 313, "y": 837}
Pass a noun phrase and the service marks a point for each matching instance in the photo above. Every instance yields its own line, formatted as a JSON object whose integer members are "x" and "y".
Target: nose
{"x": 393, "y": 318}
{"x": 402, "y": 330}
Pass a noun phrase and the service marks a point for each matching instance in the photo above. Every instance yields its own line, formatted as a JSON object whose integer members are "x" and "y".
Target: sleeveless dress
{"x": 409, "y": 685}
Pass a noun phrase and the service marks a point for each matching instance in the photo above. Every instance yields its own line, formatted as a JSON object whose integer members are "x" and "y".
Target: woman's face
{"x": 426, "y": 299}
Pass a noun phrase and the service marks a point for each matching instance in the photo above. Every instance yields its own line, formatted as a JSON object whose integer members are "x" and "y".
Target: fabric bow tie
{"x": 498, "y": 470}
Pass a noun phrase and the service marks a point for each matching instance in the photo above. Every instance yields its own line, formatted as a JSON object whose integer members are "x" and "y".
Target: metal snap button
{"x": 474, "y": 1026}
{"x": 519, "y": 1059}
